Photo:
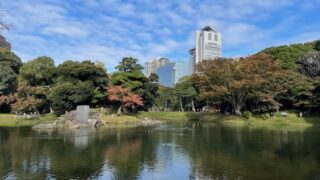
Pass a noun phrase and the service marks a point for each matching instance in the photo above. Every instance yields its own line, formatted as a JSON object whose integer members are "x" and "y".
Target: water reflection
{"x": 173, "y": 151}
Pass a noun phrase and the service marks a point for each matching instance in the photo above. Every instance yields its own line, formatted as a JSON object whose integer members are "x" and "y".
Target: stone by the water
{"x": 79, "y": 118}
{"x": 82, "y": 113}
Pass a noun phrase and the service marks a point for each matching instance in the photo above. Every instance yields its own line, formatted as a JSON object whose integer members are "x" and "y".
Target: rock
{"x": 92, "y": 122}
{"x": 44, "y": 127}
{"x": 82, "y": 113}
{"x": 82, "y": 117}
{"x": 71, "y": 123}
{"x": 77, "y": 126}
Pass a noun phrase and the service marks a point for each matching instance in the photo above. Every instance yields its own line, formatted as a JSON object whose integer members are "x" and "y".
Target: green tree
{"x": 167, "y": 99}
{"x": 309, "y": 65}
{"x": 150, "y": 94}
{"x": 9, "y": 69}
{"x": 234, "y": 82}
{"x": 35, "y": 81}
{"x": 134, "y": 81}
{"x": 289, "y": 55}
{"x": 317, "y": 45}
{"x": 83, "y": 71}
{"x": 65, "y": 96}
{"x": 284, "y": 88}
{"x": 31, "y": 99}
{"x": 184, "y": 90}
{"x": 86, "y": 71}
{"x": 38, "y": 72}
{"x": 298, "y": 91}
{"x": 130, "y": 76}
{"x": 129, "y": 64}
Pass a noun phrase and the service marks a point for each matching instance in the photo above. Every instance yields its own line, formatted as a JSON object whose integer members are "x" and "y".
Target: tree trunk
{"x": 51, "y": 110}
{"x": 237, "y": 110}
{"x": 166, "y": 105}
{"x": 193, "y": 108}
{"x": 119, "y": 110}
{"x": 181, "y": 106}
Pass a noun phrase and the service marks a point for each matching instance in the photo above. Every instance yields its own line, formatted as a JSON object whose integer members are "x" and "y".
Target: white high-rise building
{"x": 207, "y": 46}
{"x": 152, "y": 65}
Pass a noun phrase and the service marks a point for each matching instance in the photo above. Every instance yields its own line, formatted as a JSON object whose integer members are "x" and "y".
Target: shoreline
{"x": 9, "y": 120}
{"x": 151, "y": 118}
{"x": 292, "y": 120}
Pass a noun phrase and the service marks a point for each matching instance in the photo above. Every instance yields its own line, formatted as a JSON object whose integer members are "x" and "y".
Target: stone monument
{"x": 82, "y": 113}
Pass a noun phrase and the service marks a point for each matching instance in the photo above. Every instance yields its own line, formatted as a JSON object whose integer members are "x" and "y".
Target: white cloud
{"x": 107, "y": 30}
{"x": 71, "y": 30}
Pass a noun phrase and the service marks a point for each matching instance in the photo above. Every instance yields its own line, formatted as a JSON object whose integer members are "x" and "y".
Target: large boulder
{"x": 82, "y": 113}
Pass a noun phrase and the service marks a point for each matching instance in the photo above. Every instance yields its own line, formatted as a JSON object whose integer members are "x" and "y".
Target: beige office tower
{"x": 152, "y": 65}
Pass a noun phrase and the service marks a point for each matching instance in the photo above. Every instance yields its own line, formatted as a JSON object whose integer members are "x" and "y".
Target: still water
{"x": 171, "y": 151}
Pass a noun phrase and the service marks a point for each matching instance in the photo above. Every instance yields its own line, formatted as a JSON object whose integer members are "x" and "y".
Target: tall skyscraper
{"x": 166, "y": 74}
{"x": 207, "y": 46}
{"x": 152, "y": 65}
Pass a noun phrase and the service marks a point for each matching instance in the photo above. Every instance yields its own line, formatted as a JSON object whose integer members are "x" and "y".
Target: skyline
{"x": 109, "y": 30}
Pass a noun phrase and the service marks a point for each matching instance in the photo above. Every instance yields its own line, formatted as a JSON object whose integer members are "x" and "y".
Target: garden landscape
{"x": 124, "y": 115}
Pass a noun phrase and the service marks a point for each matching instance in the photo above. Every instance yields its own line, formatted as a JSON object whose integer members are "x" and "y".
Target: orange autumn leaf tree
{"x": 125, "y": 98}
{"x": 236, "y": 81}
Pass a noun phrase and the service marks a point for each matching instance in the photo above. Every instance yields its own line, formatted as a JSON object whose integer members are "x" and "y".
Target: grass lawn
{"x": 8, "y": 120}
{"x": 292, "y": 120}
{"x": 123, "y": 119}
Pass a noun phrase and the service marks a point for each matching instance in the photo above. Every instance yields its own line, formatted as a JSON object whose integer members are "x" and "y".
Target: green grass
{"x": 8, "y": 120}
{"x": 170, "y": 115}
{"x": 123, "y": 119}
{"x": 187, "y": 116}
{"x": 291, "y": 121}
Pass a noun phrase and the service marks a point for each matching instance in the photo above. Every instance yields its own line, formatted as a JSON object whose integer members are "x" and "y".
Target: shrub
{"x": 265, "y": 116}
{"x": 246, "y": 114}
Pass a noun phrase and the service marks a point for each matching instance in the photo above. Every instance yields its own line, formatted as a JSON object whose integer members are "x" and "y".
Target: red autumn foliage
{"x": 124, "y": 96}
{"x": 7, "y": 100}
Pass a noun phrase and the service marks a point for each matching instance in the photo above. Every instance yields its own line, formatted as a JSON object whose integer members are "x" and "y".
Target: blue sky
{"x": 107, "y": 30}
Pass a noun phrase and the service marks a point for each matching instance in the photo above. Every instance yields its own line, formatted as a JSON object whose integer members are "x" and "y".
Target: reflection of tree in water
{"x": 228, "y": 153}
{"x": 19, "y": 155}
{"x": 38, "y": 157}
{"x": 213, "y": 151}
{"x": 131, "y": 153}
{"x": 74, "y": 154}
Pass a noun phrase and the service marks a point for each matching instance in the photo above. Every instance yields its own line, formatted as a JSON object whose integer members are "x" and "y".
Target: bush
{"x": 265, "y": 116}
{"x": 246, "y": 114}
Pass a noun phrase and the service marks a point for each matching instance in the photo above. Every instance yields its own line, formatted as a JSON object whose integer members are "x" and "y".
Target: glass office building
{"x": 166, "y": 74}
{"x": 181, "y": 70}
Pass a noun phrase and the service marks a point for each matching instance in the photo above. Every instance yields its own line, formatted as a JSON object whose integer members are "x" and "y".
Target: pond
{"x": 188, "y": 150}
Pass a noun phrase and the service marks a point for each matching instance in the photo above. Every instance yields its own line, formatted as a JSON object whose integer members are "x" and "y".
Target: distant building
{"x": 181, "y": 70}
{"x": 192, "y": 60}
{"x": 4, "y": 43}
{"x": 207, "y": 46}
{"x": 169, "y": 72}
{"x": 166, "y": 74}
{"x": 152, "y": 65}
